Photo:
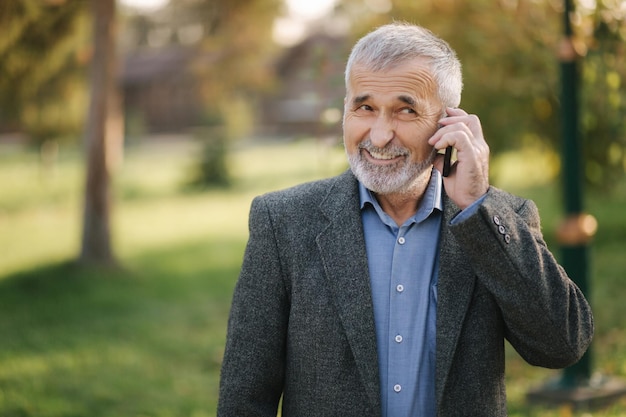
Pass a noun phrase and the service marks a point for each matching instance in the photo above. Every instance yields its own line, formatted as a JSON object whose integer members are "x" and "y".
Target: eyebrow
{"x": 408, "y": 100}
{"x": 360, "y": 99}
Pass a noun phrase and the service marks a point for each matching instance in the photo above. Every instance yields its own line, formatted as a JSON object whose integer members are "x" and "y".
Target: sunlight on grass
{"x": 38, "y": 235}
{"x": 150, "y": 211}
{"x": 274, "y": 166}
{"x": 528, "y": 167}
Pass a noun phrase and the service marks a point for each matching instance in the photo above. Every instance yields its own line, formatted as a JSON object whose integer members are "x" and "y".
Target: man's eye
{"x": 407, "y": 113}
{"x": 365, "y": 107}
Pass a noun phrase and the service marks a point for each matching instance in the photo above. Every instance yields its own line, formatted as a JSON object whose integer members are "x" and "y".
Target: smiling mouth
{"x": 381, "y": 156}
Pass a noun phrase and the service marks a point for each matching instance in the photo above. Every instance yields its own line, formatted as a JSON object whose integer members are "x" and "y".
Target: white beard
{"x": 388, "y": 179}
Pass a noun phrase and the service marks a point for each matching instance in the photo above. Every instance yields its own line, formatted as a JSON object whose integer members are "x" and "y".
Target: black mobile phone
{"x": 447, "y": 157}
{"x": 447, "y": 161}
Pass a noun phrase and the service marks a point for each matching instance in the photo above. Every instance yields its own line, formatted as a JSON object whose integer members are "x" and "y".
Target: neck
{"x": 401, "y": 206}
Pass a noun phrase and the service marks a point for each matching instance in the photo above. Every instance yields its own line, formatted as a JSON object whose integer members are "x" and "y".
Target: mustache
{"x": 389, "y": 150}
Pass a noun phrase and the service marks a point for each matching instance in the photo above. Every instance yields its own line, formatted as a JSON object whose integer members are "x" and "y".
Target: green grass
{"x": 144, "y": 341}
{"x": 147, "y": 339}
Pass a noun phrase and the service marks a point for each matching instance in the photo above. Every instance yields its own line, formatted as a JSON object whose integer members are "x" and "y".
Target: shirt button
{"x": 399, "y": 338}
{"x": 401, "y": 240}
{"x": 399, "y": 287}
{"x": 397, "y": 388}
{"x": 496, "y": 220}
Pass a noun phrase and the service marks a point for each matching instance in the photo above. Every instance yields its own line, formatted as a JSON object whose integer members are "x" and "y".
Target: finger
{"x": 469, "y": 123}
{"x": 452, "y": 115}
{"x": 455, "y": 111}
{"x": 455, "y": 135}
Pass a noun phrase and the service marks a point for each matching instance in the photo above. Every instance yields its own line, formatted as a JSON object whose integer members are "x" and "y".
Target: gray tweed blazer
{"x": 302, "y": 326}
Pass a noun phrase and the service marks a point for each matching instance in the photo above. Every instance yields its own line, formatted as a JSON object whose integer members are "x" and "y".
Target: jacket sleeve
{"x": 253, "y": 367}
{"x": 547, "y": 318}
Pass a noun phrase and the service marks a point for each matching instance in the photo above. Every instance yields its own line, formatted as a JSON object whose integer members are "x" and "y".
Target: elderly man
{"x": 389, "y": 290}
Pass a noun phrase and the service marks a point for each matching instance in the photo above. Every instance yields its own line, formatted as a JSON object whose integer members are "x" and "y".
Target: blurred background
{"x": 134, "y": 134}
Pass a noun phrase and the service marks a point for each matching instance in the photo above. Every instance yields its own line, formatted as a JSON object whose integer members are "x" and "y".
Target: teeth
{"x": 383, "y": 156}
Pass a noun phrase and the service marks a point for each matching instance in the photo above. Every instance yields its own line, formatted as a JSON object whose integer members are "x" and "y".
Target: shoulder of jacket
{"x": 499, "y": 196}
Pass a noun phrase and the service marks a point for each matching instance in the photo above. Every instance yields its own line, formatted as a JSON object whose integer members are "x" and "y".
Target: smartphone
{"x": 447, "y": 157}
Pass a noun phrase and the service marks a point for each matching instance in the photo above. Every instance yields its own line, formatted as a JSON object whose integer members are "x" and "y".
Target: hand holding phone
{"x": 461, "y": 134}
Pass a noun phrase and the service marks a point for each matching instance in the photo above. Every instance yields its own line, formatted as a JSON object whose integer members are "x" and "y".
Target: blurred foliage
{"x": 211, "y": 168}
{"x": 234, "y": 51}
{"x": 44, "y": 49}
{"x": 603, "y": 29}
{"x": 232, "y": 63}
{"x": 243, "y": 48}
{"x": 509, "y": 52}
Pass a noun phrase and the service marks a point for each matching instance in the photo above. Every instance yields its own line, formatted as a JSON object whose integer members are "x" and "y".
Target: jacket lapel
{"x": 342, "y": 249}
{"x": 454, "y": 291}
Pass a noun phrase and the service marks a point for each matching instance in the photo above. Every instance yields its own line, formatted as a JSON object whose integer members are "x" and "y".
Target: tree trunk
{"x": 103, "y": 133}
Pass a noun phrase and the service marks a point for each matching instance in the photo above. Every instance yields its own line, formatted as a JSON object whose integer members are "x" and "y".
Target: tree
{"x": 103, "y": 134}
{"x": 43, "y": 50}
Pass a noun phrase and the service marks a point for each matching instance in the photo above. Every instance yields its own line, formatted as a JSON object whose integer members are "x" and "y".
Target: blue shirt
{"x": 403, "y": 263}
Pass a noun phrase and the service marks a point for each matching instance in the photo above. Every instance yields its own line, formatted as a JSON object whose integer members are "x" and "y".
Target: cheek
{"x": 422, "y": 129}
{"x": 353, "y": 131}
{"x": 415, "y": 136}
{"x": 427, "y": 125}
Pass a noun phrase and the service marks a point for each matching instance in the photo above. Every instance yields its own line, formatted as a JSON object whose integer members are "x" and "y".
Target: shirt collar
{"x": 432, "y": 199}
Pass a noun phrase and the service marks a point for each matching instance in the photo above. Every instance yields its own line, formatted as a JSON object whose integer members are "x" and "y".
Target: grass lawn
{"x": 147, "y": 339}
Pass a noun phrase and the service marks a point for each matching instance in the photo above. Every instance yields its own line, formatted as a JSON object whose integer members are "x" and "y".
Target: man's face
{"x": 388, "y": 118}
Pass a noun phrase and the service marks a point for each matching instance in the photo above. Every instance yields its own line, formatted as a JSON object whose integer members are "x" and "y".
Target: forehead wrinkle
{"x": 405, "y": 89}
{"x": 407, "y": 99}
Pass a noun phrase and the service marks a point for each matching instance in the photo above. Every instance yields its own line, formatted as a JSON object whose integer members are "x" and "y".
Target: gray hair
{"x": 397, "y": 43}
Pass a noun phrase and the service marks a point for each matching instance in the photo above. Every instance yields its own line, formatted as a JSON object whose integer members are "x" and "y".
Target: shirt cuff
{"x": 468, "y": 211}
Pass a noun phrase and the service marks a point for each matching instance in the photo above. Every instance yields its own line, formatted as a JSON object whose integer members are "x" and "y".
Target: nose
{"x": 382, "y": 131}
